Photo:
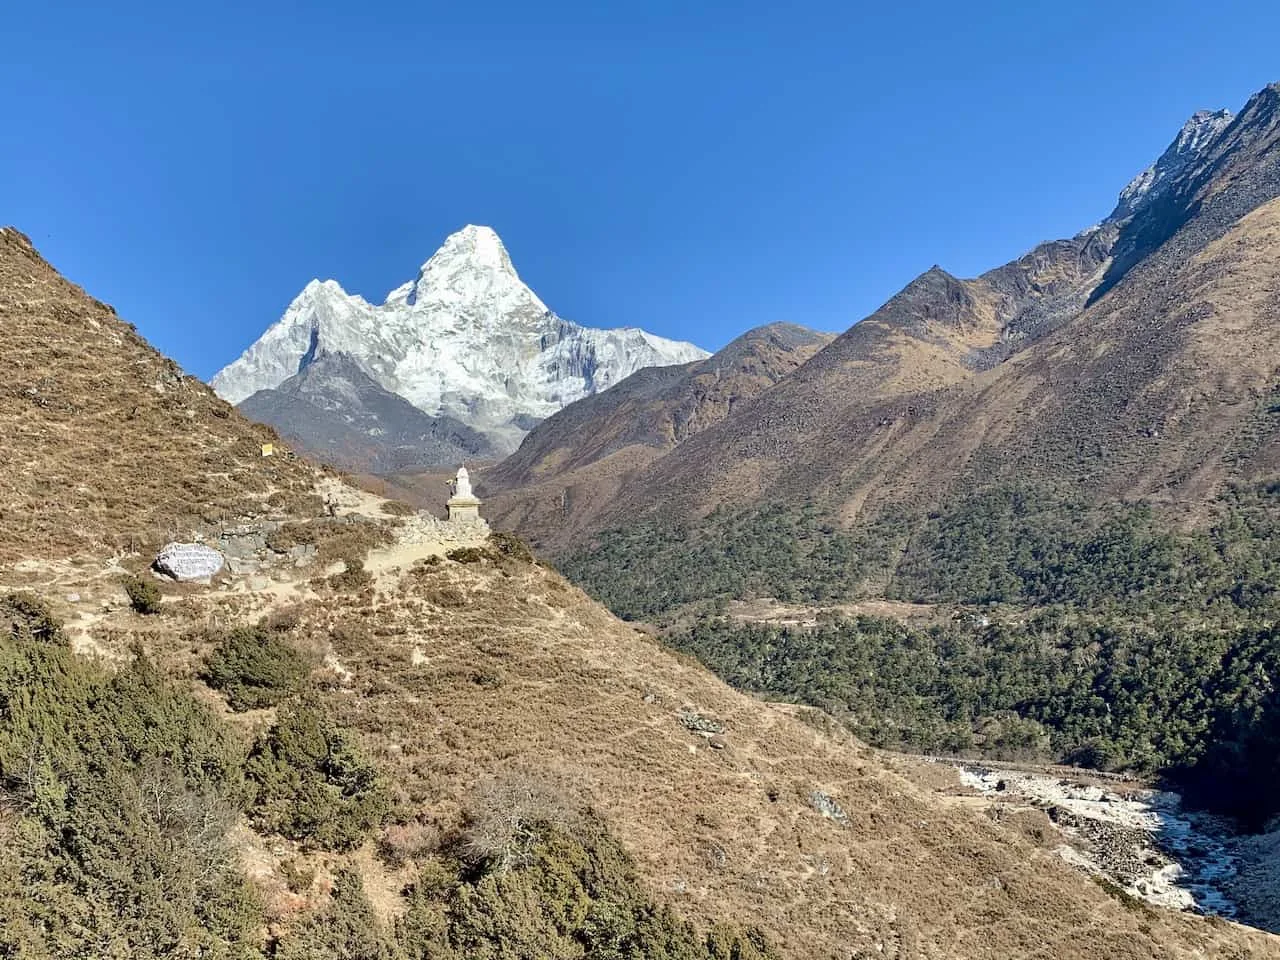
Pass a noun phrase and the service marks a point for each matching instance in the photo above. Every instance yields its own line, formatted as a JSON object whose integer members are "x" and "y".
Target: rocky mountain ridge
{"x": 953, "y": 377}
{"x": 338, "y": 413}
{"x": 1203, "y": 127}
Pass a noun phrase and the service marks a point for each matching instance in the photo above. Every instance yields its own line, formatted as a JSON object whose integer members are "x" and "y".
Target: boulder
{"x": 697, "y": 723}
{"x": 827, "y": 806}
{"x": 189, "y": 561}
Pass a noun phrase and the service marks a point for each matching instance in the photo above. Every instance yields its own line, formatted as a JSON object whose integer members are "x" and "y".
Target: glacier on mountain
{"x": 465, "y": 339}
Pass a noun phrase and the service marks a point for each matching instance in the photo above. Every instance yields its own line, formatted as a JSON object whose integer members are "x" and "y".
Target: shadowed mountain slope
{"x": 591, "y": 446}
{"x": 336, "y": 412}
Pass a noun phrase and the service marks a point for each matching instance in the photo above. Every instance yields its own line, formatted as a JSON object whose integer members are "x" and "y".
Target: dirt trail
{"x": 87, "y": 596}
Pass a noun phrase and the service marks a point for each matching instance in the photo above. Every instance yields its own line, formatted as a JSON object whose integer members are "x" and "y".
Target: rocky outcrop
{"x": 1152, "y": 183}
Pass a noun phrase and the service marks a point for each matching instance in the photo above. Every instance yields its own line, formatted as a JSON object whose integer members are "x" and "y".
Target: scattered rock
{"x": 827, "y": 806}
{"x": 717, "y": 742}
{"x": 697, "y": 723}
{"x": 73, "y": 598}
{"x": 245, "y": 540}
{"x": 336, "y": 666}
{"x": 189, "y": 561}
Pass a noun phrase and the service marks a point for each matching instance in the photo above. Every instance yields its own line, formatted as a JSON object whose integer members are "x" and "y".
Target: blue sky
{"x": 693, "y": 169}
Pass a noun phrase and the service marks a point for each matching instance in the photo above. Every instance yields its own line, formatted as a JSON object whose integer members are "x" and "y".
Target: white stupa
{"x": 464, "y": 505}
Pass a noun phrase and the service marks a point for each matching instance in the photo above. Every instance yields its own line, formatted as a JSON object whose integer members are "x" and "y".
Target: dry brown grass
{"x": 106, "y": 443}
{"x": 455, "y": 675}
{"x": 519, "y": 672}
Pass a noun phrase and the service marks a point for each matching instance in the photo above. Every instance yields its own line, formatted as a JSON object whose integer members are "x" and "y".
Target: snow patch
{"x": 1196, "y": 134}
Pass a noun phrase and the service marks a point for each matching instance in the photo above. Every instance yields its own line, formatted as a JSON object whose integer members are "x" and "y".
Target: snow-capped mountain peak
{"x": 476, "y": 246}
{"x": 466, "y": 338}
{"x": 471, "y": 266}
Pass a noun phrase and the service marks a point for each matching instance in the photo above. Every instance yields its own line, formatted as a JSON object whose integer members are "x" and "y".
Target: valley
{"x": 951, "y": 636}
{"x": 1030, "y": 515}
{"x": 365, "y": 737}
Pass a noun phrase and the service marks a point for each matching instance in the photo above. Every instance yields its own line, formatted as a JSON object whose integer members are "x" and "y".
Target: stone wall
{"x": 427, "y": 528}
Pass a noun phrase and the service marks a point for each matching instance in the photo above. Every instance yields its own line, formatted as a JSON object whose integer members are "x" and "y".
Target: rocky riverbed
{"x": 1147, "y": 843}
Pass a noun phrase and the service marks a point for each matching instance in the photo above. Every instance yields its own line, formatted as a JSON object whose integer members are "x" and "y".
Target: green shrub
{"x": 143, "y": 595}
{"x": 511, "y": 546}
{"x": 469, "y": 555}
{"x": 788, "y": 551}
{"x": 343, "y": 540}
{"x": 123, "y": 788}
{"x": 254, "y": 668}
{"x": 346, "y": 929}
{"x": 352, "y": 578}
{"x": 422, "y": 567}
{"x": 576, "y": 893}
{"x": 289, "y": 535}
{"x": 398, "y": 508}
{"x": 30, "y": 619}
{"x": 312, "y": 783}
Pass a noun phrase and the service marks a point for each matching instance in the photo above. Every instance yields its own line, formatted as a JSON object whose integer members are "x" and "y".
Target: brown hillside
{"x": 581, "y": 455}
{"x": 457, "y": 674}
{"x": 454, "y": 672}
{"x": 937, "y": 333}
{"x": 1137, "y": 360}
{"x": 105, "y": 441}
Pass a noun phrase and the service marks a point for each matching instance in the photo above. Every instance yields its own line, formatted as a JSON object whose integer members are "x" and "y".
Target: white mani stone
{"x": 189, "y": 561}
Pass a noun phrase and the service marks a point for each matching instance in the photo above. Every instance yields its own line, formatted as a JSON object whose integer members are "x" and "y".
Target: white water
{"x": 1151, "y": 846}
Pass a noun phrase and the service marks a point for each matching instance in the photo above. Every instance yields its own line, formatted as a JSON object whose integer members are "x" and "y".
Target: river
{"x": 1148, "y": 843}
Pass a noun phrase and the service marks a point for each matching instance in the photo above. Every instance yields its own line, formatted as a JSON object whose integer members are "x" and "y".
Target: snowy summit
{"x": 465, "y": 339}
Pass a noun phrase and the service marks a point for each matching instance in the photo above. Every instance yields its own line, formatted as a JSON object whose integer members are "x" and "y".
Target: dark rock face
{"x": 1187, "y": 148}
{"x": 334, "y": 411}
{"x": 1238, "y": 170}
{"x": 1040, "y": 291}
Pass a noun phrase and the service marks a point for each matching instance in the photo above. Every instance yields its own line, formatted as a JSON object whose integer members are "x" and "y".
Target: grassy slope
{"x": 452, "y": 674}
{"x": 106, "y": 442}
